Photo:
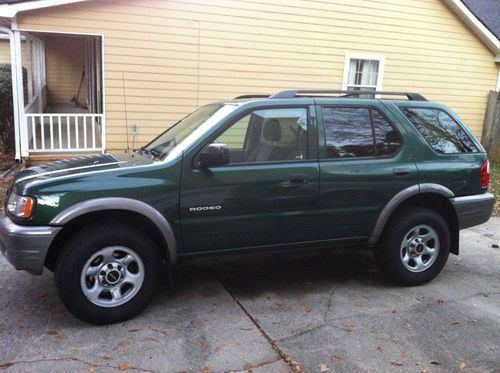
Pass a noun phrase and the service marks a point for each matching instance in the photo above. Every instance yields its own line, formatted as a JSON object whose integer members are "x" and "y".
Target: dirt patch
{"x": 6, "y": 161}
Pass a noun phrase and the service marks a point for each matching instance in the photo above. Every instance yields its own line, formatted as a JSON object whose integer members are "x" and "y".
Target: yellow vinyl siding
{"x": 4, "y": 51}
{"x": 165, "y": 58}
{"x": 65, "y": 58}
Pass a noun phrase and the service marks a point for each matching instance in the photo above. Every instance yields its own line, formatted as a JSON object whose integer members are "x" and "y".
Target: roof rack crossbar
{"x": 309, "y": 92}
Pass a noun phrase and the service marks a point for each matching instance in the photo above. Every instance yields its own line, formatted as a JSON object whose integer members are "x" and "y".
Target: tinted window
{"x": 348, "y": 132}
{"x": 268, "y": 135}
{"x": 440, "y": 130}
{"x": 387, "y": 139}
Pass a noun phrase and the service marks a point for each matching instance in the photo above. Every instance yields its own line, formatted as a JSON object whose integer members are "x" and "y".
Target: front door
{"x": 266, "y": 195}
{"x": 363, "y": 163}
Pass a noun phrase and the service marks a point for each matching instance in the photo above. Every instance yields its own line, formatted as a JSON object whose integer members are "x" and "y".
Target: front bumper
{"x": 25, "y": 247}
{"x": 473, "y": 210}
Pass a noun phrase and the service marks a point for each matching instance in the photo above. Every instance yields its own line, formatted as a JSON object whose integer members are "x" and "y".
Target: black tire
{"x": 389, "y": 251}
{"x": 77, "y": 251}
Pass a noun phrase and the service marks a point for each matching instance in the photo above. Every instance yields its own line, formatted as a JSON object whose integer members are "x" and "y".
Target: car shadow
{"x": 252, "y": 275}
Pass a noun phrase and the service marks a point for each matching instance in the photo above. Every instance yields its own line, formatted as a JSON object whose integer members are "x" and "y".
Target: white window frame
{"x": 363, "y": 56}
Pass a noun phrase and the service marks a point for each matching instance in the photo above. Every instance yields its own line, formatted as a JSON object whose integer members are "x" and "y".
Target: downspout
{"x": 15, "y": 90}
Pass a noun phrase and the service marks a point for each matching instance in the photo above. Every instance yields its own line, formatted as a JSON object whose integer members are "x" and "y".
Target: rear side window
{"x": 440, "y": 130}
{"x": 358, "y": 132}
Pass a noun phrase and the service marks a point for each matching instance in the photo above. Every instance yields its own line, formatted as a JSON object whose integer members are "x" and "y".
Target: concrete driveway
{"x": 322, "y": 313}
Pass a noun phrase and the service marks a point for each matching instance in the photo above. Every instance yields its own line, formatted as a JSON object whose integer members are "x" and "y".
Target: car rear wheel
{"x": 107, "y": 273}
{"x": 414, "y": 247}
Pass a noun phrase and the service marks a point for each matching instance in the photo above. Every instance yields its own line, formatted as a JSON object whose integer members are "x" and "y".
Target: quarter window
{"x": 358, "y": 132}
{"x": 440, "y": 130}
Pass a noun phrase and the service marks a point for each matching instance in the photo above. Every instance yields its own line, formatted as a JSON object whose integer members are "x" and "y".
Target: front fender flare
{"x": 127, "y": 204}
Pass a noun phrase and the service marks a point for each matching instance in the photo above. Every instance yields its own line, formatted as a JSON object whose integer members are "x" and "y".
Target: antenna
{"x": 134, "y": 132}
{"x": 125, "y": 103}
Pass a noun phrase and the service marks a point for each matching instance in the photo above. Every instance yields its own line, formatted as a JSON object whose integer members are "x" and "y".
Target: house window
{"x": 363, "y": 72}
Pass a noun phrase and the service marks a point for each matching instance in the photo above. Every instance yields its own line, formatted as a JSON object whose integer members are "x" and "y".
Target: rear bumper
{"x": 473, "y": 210}
{"x": 25, "y": 247}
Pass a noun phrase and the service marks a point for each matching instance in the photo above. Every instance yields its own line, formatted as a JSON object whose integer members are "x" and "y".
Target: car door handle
{"x": 294, "y": 182}
{"x": 401, "y": 171}
{"x": 299, "y": 179}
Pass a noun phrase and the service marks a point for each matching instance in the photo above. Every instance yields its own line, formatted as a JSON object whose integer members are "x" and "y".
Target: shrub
{"x": 7, "y": 108}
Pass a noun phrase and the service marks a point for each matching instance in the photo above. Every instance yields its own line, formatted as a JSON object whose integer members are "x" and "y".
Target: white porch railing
{"x": 64, "y": 132}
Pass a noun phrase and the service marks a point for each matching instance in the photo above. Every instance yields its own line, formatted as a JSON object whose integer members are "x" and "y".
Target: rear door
{"x": 364, "y": 162}
{"x": 267, "y": 194}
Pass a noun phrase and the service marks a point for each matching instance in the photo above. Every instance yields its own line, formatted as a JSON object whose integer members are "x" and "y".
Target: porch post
{"x": 17, "y": 66}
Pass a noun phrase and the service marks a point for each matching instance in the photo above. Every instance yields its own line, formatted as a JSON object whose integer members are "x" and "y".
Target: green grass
{"x": 495, "y": 185}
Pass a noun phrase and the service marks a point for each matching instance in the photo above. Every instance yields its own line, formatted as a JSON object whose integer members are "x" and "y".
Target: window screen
{"x": 440, "y": 130}
{"x": 363, "y": 74}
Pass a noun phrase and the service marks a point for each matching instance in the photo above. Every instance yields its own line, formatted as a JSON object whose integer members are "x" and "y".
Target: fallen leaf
{"x": 334, "y": 358}
{"x": 104, "y": 357}
{"x": 206, "y": 370}
{"x": 248, "y": 367}
{"x": 434, "y": 362}
{"x": 457, "y": 322}
{"x": 306, "y": 309}
{"x": 91, "y": 369}
{"x": 124, "y": 366}
{"x": 323, "y": 368}
{"x": 397, "y": 363}
{"x": 165, "y": 332}
{"x": 404, "y": 355}
{"x": 425, "y": 370}
{"x": 122, "y": 347}
{"x": 380, "y": 349}
{"x": 461, "y": 365}
{"x": 6, "y": 365}
{"x": 54, "y": 333}
{"x": 218, "y": 348}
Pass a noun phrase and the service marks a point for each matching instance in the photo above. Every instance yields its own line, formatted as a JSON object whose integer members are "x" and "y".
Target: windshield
{"x": 164, "y": 143}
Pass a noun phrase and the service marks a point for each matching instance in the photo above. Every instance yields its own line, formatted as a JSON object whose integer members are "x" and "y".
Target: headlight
{"x": 20, "y": 206}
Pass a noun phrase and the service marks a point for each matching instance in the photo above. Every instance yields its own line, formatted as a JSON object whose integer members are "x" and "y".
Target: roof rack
{"x": 312, "y": 92}
{"x": 252, "y": 96}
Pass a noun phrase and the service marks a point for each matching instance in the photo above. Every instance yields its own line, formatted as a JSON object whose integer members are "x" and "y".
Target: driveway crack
{"x": 294, "y": 366}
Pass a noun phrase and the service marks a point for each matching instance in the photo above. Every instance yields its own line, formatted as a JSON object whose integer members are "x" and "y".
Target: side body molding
{"x": 127, "y": 204}
{"x": 403, "y": 195}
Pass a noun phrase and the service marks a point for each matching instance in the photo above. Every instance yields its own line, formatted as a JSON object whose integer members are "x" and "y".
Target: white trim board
{"x": 11, "y": 10}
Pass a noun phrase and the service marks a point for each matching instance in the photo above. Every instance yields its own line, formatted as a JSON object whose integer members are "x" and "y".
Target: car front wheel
{"x": 107, "y": 273}
{"x": 414, "y": 247}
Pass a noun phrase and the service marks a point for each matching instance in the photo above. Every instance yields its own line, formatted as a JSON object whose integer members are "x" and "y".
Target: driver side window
{"x": 268, "y": 135}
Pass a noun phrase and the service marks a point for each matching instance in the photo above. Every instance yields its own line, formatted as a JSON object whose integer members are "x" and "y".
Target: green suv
{"x": 295, "y": 170}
